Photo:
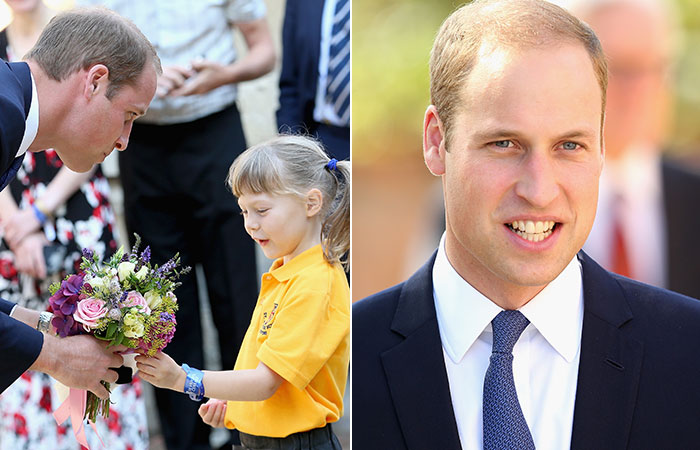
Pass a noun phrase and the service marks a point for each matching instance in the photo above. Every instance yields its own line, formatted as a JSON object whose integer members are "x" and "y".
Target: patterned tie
{"x": 338, "y": 81}
{"x": 504, "y": 424}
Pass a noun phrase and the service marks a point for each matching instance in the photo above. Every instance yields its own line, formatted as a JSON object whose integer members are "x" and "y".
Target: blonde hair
{"x": 293, "y": 165}
{"x": 506, "y": 24}
{"x": 80, "y": 38}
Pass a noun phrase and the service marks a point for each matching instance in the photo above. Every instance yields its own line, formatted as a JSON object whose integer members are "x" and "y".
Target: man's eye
{"x": 261, "y": 211}
{"x": 503, "y": 144}
{"x": 569, "y": 145}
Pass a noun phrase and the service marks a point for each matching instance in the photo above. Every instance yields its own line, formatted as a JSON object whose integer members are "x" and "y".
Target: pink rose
{"x": 134, "y": 298}
{"x": 89, "y": 311}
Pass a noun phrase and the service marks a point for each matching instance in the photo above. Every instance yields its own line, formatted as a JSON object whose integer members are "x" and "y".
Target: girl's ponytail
{"x": 335, "y": 231}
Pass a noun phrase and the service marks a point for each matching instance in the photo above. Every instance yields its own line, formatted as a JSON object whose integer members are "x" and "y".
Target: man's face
{"x": 524, "y": 153}
{"x": 100, "y": 124}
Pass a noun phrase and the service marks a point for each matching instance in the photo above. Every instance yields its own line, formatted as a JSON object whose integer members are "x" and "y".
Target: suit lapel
{"x": 22, "y": 72}
{"x": 609, "y": 367}
{"x": 415, "y": 369}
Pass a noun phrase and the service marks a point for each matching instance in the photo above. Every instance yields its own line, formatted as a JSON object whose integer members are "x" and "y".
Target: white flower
{"x": 133, "y": 327}
{"x": 125, "y": 269}
{"x": 153, "y": 299}
{"x": 141, "y": 274}
{"x": 97, "y": 282}
{"x": 134, "y": 331}
{"x": 130, "y": 318}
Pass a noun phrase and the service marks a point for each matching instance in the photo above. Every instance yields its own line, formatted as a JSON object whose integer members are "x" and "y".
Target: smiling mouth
{"x": 533, "y": 231}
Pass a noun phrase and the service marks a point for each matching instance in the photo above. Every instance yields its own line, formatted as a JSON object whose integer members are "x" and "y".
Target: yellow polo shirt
{"x": 301, "y": 330}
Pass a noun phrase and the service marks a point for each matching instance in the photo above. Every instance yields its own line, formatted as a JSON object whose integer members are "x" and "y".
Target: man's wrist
{"x": 44, "y": 322}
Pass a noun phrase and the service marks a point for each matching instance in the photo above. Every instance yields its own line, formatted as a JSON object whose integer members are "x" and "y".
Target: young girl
{"x": 289, "y": 379}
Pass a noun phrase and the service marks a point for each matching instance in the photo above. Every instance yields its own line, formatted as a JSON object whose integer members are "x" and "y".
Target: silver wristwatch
{"x": 44, "y": 324}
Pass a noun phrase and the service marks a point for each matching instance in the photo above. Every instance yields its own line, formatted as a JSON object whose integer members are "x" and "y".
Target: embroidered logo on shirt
{"x": 267, "y": 319}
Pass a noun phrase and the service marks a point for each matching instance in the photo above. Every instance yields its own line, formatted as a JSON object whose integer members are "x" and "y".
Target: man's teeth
{"x": 533, "y": 231}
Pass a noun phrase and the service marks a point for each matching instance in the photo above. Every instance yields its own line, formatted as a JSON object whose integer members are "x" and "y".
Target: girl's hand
{"x": 213, "y": 413}
{"x": 161, "y": 371}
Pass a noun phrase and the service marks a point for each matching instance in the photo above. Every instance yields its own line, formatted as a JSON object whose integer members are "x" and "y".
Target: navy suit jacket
{"x": 19, "y": 344}
{"x": 681, "y": 194}
{"x": 638, "y": 383}
{"x": 301, "y": 38}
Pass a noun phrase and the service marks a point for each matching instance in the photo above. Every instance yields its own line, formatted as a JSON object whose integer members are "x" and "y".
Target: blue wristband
{"x": 193, "y": 383}
{"x": 40, "y": 216}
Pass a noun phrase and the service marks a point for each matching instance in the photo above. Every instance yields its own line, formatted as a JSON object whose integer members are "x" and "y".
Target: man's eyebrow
{"x": 505, "y": 133}
{"x": 582, "y": 133}
{"x": 494, "y": 134}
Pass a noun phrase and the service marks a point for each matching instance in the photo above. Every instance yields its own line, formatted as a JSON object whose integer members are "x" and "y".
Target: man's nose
{"x": 123, "y": 140}
{"x": 537, "y": 182}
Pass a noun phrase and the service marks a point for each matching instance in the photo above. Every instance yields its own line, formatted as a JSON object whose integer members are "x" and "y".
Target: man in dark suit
{"x": 89, "y": 76}
{"x": 307, "y": 67}
{"x": 640, "y": 184}
{"x": 510, "y": 337}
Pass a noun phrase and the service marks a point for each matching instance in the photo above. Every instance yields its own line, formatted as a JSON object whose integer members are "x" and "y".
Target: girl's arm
{"x": 235, "y": 385}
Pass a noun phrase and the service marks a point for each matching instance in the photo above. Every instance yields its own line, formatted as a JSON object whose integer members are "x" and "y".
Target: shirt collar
{"x": 464, "y": 313}
{"x": 283, "y": 272}
{"x": 31, "y": 124}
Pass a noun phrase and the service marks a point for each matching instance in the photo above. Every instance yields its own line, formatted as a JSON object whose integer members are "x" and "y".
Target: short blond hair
{"x": 80, "y": 38}
{"x": 511, "y": 24}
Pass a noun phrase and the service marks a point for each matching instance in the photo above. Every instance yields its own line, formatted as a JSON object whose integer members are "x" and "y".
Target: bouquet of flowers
{"x": 124, "y": 300}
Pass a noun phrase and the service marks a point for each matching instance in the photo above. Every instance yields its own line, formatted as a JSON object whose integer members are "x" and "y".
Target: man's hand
{"x": 213, "y": 413}
{"x": 29, "y": 255}
{"x": 80, "y": 362}
{"x": 161, "y": 371}
{"x": 172, "y": 78}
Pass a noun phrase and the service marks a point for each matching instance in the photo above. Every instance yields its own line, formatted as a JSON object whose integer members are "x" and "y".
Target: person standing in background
{"x": 315, "y": 78}
{"x": 192, "y": 135}
{"x": 645, "y": 228}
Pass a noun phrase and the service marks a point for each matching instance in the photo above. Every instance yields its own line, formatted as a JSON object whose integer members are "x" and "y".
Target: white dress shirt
{"x": 31, "y": 125}
{"x": 636, "y": 178}
{"x": 546, "y": 357}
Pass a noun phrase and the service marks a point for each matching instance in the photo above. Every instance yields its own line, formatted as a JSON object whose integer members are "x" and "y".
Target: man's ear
{"x": 314, "y": 202}
{"x": 433, "y": 142}
{"x": 96, "y": 81}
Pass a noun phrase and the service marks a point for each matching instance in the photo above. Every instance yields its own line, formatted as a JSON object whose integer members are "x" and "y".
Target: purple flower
{"x": 160, "y": 334}
{"x": 146, "y": 255}
{"x": 63, "y": 304}
{"x": 88, "y": 254}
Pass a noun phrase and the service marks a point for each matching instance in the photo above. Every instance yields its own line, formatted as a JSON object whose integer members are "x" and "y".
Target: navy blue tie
{"x": 338, "y": 82}
{"x": 504, "y": 424}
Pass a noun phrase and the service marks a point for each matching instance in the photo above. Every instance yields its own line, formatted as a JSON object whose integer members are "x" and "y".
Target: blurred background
{"x": 397, "y": 208}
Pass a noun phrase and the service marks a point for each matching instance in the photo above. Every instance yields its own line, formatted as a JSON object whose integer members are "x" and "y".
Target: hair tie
{"x": 332, "y": 164}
